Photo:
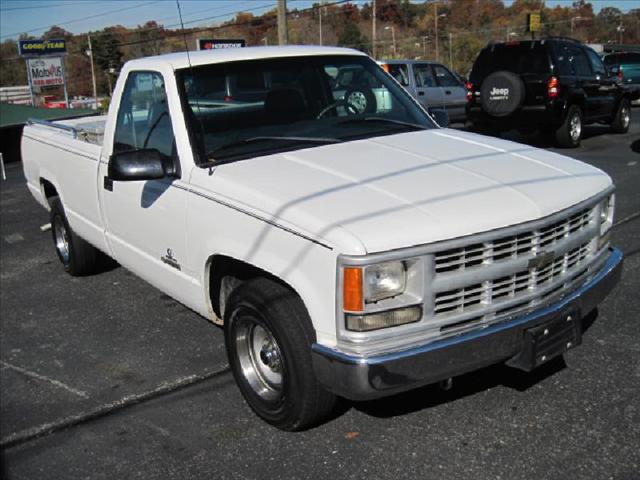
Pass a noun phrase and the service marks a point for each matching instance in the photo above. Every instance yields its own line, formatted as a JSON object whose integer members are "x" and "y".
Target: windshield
{"x": 249, "y": 108}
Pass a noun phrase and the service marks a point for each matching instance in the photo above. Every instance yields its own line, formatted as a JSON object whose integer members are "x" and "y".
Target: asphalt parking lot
{"x": 101, "y": 355}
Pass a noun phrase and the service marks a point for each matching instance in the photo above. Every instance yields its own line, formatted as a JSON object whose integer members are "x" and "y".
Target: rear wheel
{"x": 622, "y": 118}
{"x": 569, "y": 133}
{"x": 268, "y": 335}
{"x": 76, "y": 255}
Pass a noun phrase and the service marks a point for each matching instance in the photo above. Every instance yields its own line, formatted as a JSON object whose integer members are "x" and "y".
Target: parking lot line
{"x": 37, "y": 376}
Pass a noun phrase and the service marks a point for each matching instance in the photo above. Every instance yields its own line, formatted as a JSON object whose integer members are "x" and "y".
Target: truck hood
{"x": 407, "y": 189}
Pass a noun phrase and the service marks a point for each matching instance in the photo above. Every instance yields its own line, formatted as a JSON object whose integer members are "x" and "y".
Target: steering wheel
{"x": 350, "y": 108}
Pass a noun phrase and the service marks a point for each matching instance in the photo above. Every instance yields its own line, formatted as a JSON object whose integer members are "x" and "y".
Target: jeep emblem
{"x": 499, "y": 94}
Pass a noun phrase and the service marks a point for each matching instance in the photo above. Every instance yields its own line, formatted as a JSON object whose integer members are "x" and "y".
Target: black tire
{"x": 622, "y": 119}
{"x": 568, "y": 134}
{"x": 264, "y": 313}
{"x": 362, "y": 98}
{"x": 502, "y": 93}
{"x": 76, "y": 255}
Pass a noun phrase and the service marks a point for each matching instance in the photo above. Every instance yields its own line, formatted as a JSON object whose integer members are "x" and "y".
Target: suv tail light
{"x": 553, "y": 89}
{"x": 620, "y": 74}
{"x": 469, "y": 87}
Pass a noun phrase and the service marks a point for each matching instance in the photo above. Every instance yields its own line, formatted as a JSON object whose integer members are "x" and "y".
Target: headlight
{"x": 607, "y": 207}
{"x": 382, "y": 295}
{"x": 384, "y": 280}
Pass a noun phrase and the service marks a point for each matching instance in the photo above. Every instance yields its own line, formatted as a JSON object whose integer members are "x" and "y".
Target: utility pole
{"x": 320, "y": 13}
{"x": 373, "y": 30}
{"x": 93, "y": 73}
{"x": 435, "y": 17}
{"x": 283, "y": 36}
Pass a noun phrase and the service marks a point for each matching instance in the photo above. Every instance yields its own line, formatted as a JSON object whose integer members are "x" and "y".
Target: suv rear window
{"x": 517, "y": 57}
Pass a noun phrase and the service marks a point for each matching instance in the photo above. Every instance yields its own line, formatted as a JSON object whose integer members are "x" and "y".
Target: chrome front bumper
{"x": 363, "y": 378}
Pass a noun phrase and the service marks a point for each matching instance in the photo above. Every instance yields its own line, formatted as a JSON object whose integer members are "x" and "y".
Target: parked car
{"x": 626, "y": 67}
{"x": 345, "y": 253}
{"x": 556, "y": 85}
{"x": 432, "y": 84}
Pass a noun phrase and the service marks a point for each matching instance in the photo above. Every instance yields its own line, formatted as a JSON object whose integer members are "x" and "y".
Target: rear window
{"x": 517, "y": 57}
{"x": 622, "y": 58}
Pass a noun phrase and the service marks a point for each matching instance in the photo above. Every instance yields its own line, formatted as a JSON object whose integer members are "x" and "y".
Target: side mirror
{"x": 144, "y": 164}
{"x": 441, "y": 116}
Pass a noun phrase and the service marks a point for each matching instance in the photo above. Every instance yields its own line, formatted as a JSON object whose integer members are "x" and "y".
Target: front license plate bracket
{"x": 548, "y": 340}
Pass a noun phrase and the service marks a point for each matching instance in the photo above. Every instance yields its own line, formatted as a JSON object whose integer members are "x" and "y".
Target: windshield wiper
{"x": 322, "y": 140}
{"x": 385, "y": 120}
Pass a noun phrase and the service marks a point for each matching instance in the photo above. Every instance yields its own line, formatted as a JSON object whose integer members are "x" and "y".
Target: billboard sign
{"x": 217, "y": 43}
{"x": 37, "y": 48}
{"x": 46, "y": 72}
{"x": 534, "y": 23}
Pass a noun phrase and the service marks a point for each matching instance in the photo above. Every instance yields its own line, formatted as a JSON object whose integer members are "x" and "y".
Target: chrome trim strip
{"x": 253, "y": 215}
{"x": 614, "y": 259}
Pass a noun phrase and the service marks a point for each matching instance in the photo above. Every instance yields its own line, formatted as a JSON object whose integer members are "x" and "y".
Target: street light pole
{"x": 93, "y": 73}
{"x": 450, "y": 50}
{"x": 373, "y": 30}
{"x": 435, "y": 16}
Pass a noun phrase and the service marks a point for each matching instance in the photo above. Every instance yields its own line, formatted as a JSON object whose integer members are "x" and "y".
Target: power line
{"x": 83, "y": 18}
{"x": 48, "y": 5}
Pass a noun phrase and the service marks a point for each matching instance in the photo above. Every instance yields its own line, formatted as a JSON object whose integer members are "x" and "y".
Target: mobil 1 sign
{"x": 46, "y": 72}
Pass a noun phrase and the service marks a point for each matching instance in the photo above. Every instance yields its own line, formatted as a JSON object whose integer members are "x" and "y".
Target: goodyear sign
{"x": 38, "y": 48}
{"x": 216, "y": 43}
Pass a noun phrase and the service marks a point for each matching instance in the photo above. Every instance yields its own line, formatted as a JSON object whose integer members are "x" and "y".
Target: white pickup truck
{"x": 349, "y": 249}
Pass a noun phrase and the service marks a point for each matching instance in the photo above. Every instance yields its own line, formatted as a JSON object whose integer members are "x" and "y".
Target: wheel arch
{"x": 49, "y": 190}
{"x": 220, "y": 267}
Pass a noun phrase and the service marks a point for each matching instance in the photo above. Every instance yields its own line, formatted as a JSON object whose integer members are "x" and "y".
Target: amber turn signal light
{"x": 353, "y": 299}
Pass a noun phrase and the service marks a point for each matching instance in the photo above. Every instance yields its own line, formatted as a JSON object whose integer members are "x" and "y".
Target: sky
{"x": 79, "y": 16}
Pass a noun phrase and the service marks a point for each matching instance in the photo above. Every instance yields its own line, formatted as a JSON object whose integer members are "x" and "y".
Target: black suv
{"x": 555, "y": 85}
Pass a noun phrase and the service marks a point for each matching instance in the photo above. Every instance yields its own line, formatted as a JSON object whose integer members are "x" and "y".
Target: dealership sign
{"x": 45, "y": 72}
{"x": 217, "y": 43}
{"x": 37, "y": 48}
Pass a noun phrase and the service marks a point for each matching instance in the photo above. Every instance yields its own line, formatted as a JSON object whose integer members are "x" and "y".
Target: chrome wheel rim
{"x": 62, "y": 239}
{"x": 260, "y": 359}
{"x": 358, "y": 100}
{"x": 575, "y": 127}
{"x": 626, "y": 116}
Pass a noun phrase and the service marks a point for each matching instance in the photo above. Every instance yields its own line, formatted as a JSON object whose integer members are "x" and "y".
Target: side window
{"x": 596, "y": 63}
{"x": 143, "y": 117}
{"x": 444, "y": 77}
{"x": 400, "y": 73}
{"x": 562, "y": 59}
{"x": 581, "y": 65}
{"x": 424, "y": 76}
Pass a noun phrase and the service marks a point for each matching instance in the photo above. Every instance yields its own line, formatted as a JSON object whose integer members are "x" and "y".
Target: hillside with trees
{"x": 451, "y": 31}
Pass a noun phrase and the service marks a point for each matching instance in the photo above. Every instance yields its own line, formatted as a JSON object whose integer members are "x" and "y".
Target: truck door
{"x": 429, "y": 94}
{"x": 145, "y": 220}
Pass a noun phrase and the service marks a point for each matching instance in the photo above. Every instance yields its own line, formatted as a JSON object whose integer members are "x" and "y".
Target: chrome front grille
{"x": 510, "y": 286}
{"x": 505, "y": 248}
{"x": 510, "y": 271}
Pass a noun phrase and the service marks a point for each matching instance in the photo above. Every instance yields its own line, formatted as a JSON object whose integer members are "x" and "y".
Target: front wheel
{"x": 622, "y": 119}
{"x": 569, "y": 133}
{"x": 268, "y": 335}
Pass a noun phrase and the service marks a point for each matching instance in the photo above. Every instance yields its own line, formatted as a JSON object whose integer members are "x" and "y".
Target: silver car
{"x": 432, "y": 84}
